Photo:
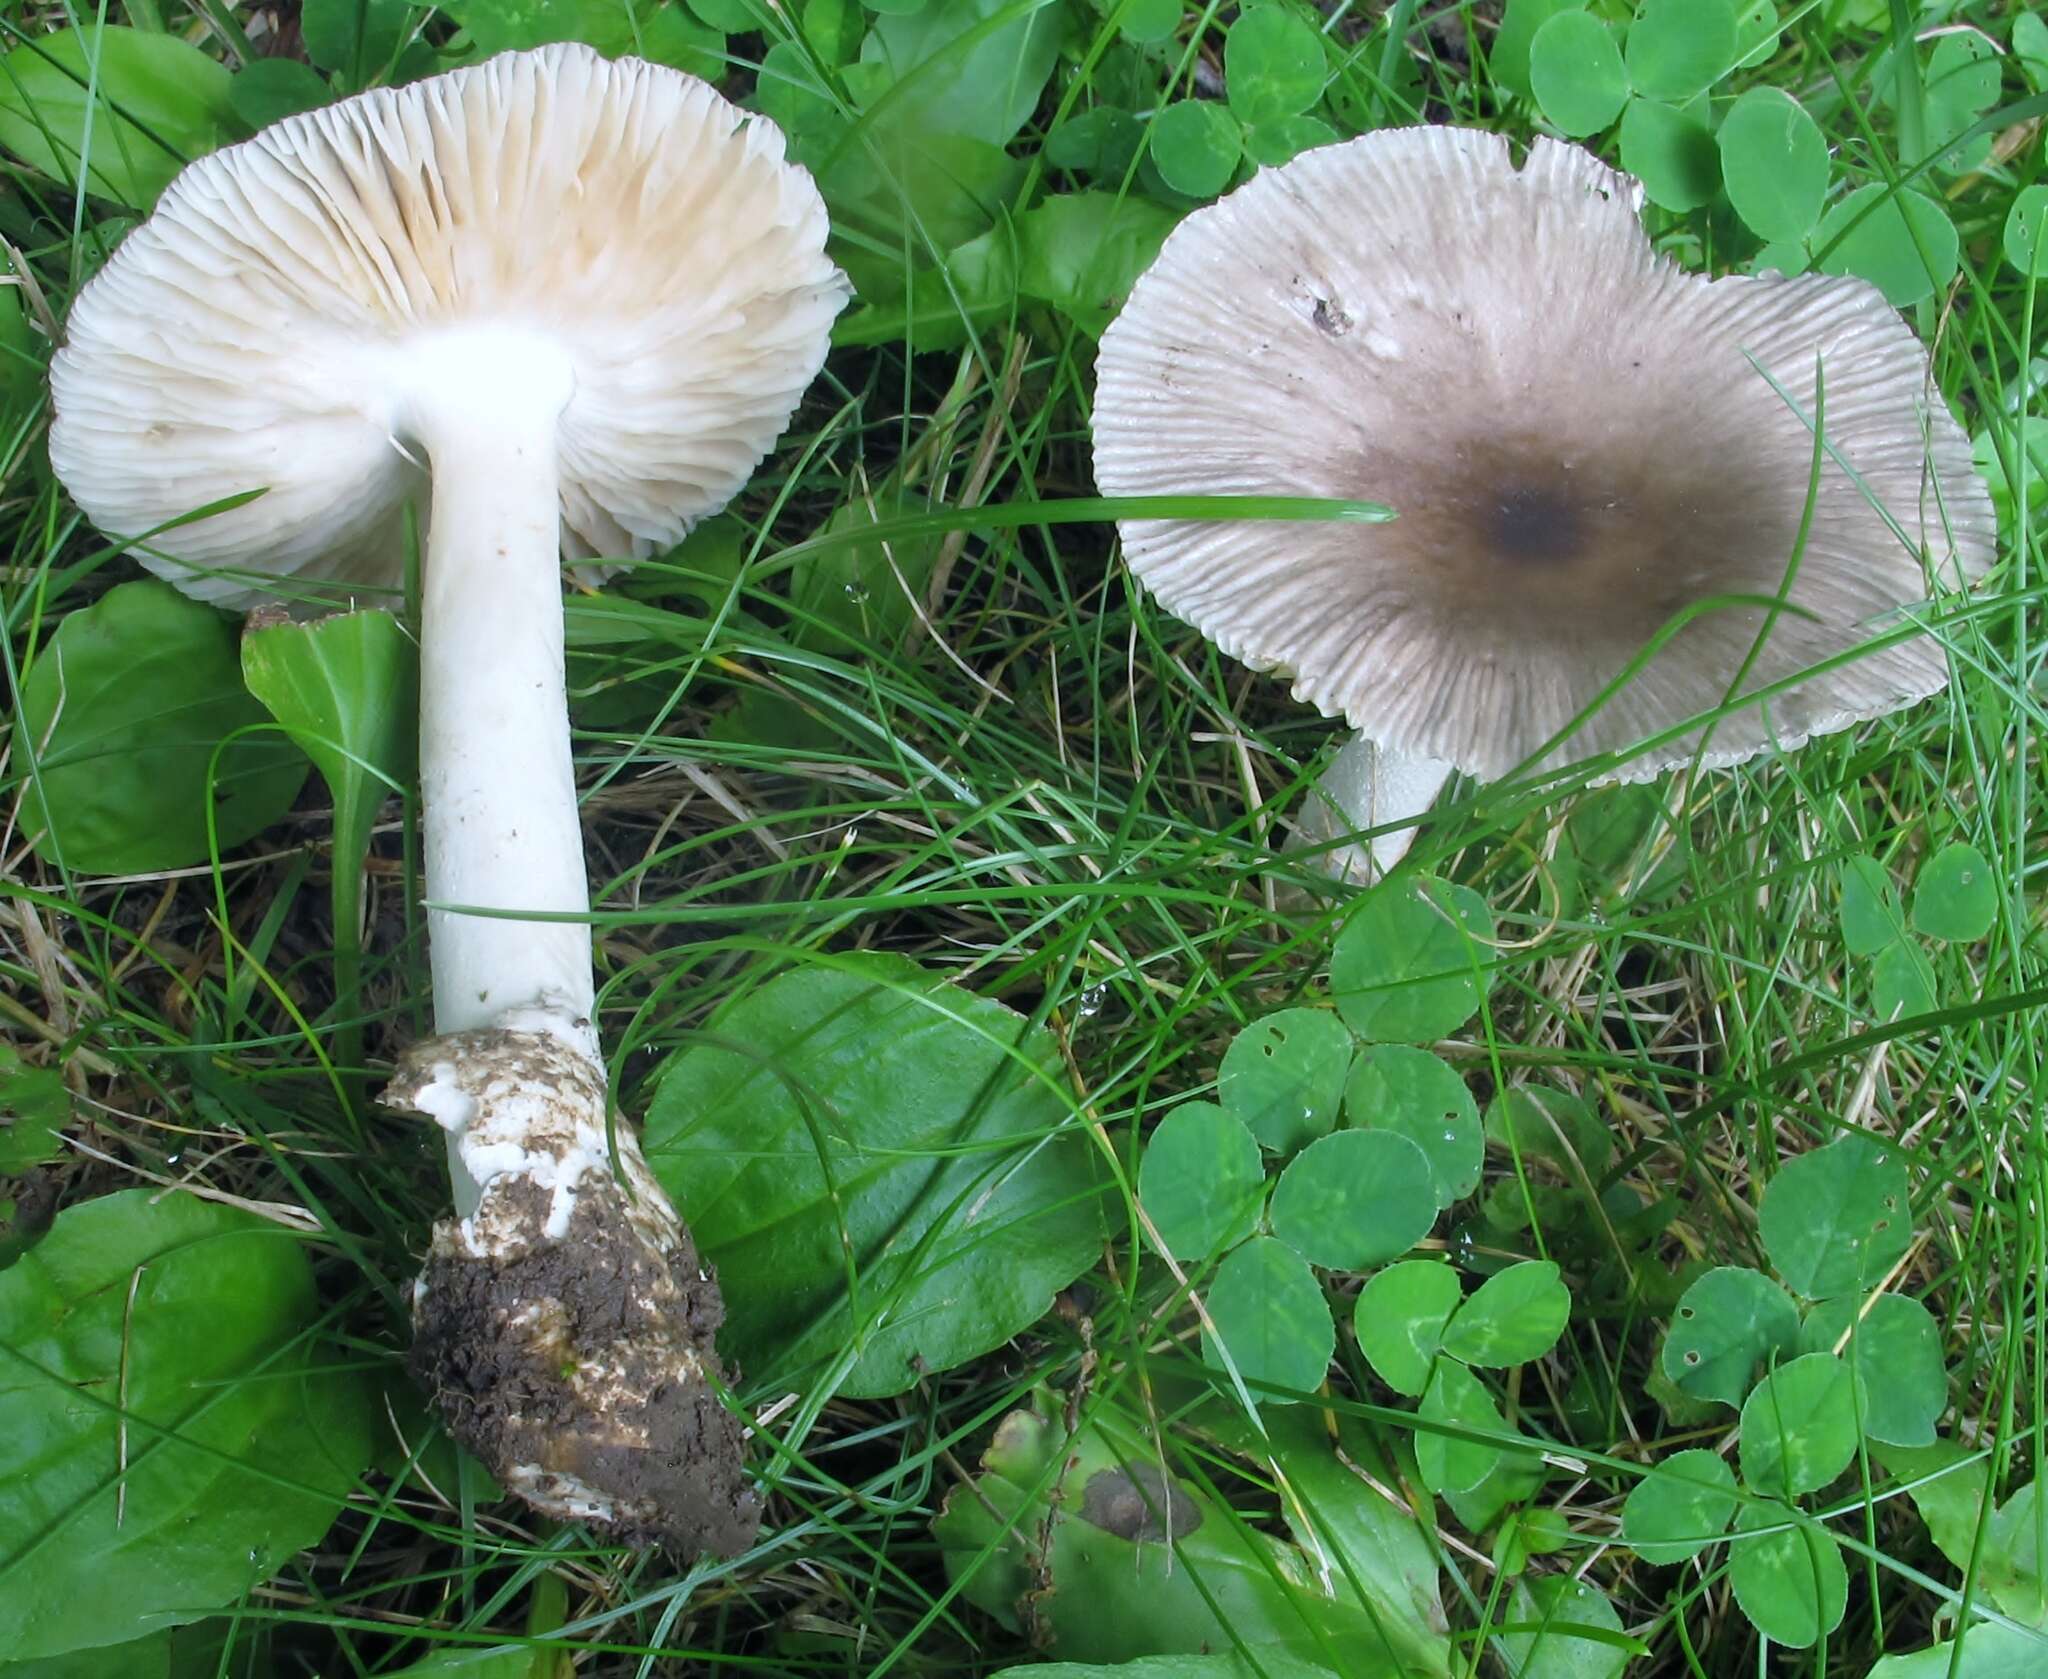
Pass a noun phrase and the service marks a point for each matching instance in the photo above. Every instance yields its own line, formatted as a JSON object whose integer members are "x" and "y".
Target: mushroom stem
{"x": 497, "y": 781}
{"x": 1366, "y": 786}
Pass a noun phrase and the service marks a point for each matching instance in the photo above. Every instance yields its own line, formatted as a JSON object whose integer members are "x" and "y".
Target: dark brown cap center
{"x": 1528, "y": 524}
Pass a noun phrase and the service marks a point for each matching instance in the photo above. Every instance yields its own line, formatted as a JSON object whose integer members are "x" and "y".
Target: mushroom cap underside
{"x": 268, "y": 327}
{"x": 1584, "y": 445}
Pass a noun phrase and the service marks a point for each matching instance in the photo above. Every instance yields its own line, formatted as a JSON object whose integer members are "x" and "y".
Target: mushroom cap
{"x": 1579, "y": 440}
{"x": 266, "y": 328}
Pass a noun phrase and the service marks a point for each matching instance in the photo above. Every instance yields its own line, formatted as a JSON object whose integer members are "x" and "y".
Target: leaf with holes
{"x": 1834, "y": 1221}
{"x": 1956, "y": 896}
{"x": 1355, "y": 1199}
{"x": 1283, "y": 1075}
{"x": 1895, "y": 1347}
{"x": 1514, "y": 1316}
{"x": 1417, "y": 1095}
{"x": 1271, "y": 1318}
{"x": 1730, "y": 1321}
{"x": 1412, "y": 960}
{"x": 1680, "y": 1508}
{"x": 1201, "y": 1181}
{"x": 1399, "y": 1319}
{"x": 1790, "y": 1583}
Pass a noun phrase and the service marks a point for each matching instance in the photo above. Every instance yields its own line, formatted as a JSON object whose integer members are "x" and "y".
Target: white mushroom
{"x": 1580, "y": 441}
{"x": 585, "y": 298}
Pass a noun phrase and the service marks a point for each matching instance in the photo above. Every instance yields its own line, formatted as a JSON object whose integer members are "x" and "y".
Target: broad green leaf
{"x": 1196, "y": 146}
{"x": 1989, "y": 1651}
{"x": 120, "y": 717}
{"x": 2030, "y": 47}
{"x": 160, "y": 102}
{"x": 1730, "y": 1321}
{"x": 1417, "y": 1095}
{"x": 1989, "y": 450}
{"x": 1355, "y": 1199}
{"x": 140, "y": 1658}
{"x": 1102, "y": 141}
{"x": 1562, "y": 1611}
{"x": 242, "y": 1436}
{"x": 1514, "y": 1316}
{"x": 737, "y": 16}
{"x": 346, "y": 691}
{"x": 2026, "y": 232}
{"x": 1082, "y": 252}
{"x": 1399, "y": 1318}
{"x": 1283, "y": 1075}
{"x": 1896, "y": 1349}
{"x": 1948, "y": 1484}
{"x": 1514, "y": 1479}
{"x": 34, "y": 1108}
{"x": 1270, "y": 1316}
{"x": 1577, "y": 74}
{"x": 1273, "y": 66}
{"x": 1903, "y": 243}
{"x": 1550, "y": 1125}
{"x": 1411, "y": 961}
{"x": 519, "y": 25}
{"x": 1902, "y": 983}
{"x": 1871, "y": 918}
{"x": 1961, "y": 85}
{"x": 1680, "y": 1508}
{"x": 942, "y": 76}
{"x": 1834, "y": 1220}
{"x": 1799, "y": 1426}
{"x": 1756, "y": 33}
{"x": 1262, "y": 1666}
{"x": 354, "y": 38}
{"x": 1457, "y": 1397}
{"x": 1774, "y": 162}
{"x": 1201, "y": 1182}
{"x": 1145, "y": 21}
{"x": 1955, "y": 897}
{"x": 1671, "y": 151}
{"x": 879, "y": 1164}
{"x": 1679, "y": 48}
{"x": 1092, "y": 1547}
{"x": 1346, "y": 1510}
{"x": 860, "y": 596}
{"x": 2012, "y": 1565}
{"x": 1285, "y": 138}
{"x": 271, "y": 89}
{"x": 1508, "y": 57}
{"x": 1791, "y": 1584}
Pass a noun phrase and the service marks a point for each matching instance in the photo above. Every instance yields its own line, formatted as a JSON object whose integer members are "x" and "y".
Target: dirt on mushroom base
{"x": 579, "y": 1366}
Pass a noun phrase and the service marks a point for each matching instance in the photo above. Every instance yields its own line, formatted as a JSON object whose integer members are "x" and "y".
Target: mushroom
{"x": 1581, "y": 443}
{"x": 583, "y": 298}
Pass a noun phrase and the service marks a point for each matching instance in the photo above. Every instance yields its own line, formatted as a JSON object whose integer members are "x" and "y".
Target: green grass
{"x": 1048, "y": 789}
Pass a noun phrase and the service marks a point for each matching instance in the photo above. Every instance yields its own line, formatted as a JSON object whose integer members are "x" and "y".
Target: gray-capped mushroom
{"x": 570, "y": 303}
{"x": 1581, "y": 441}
